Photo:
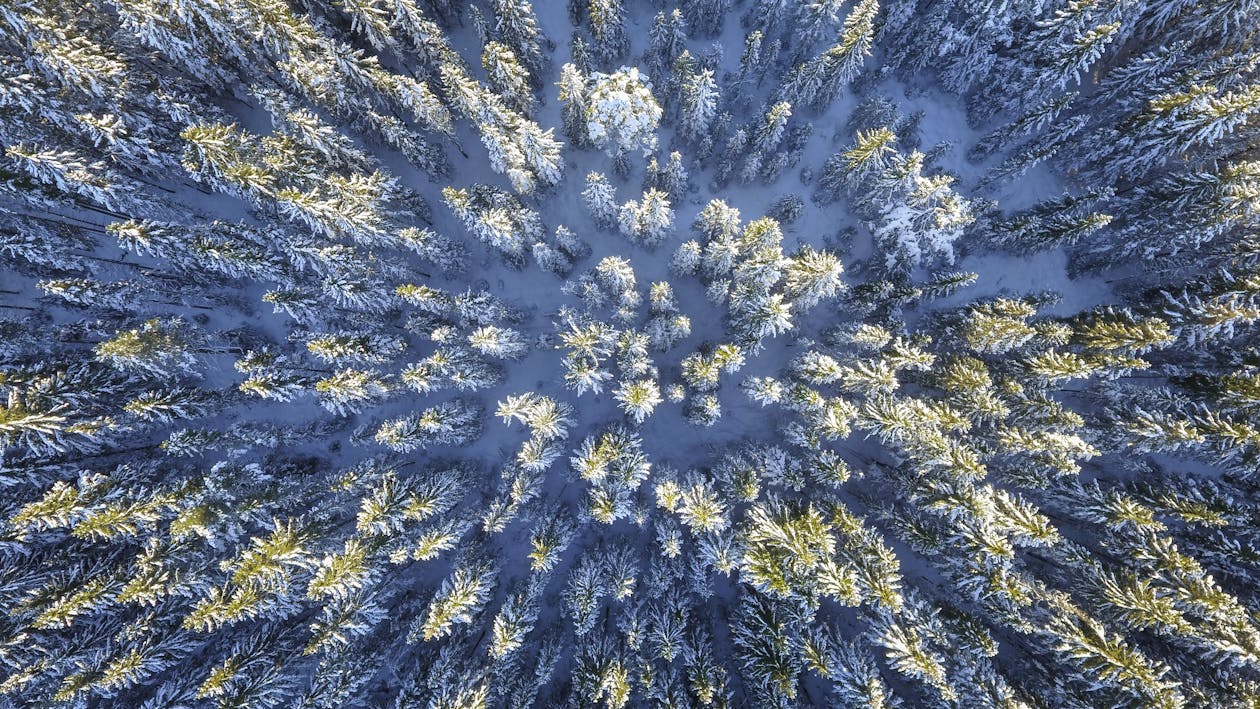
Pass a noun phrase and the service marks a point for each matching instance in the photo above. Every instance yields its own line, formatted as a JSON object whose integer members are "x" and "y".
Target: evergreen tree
{"x": 349, "y": 391}
{"x": 452, "y": 423}
{"x": 507, "y": 77}
{"x": 638, "y": 398}
{"x": 647, "y": 221}
{"x": 697, "y": 106}
{"x": 622, "y": 114}
{"x": 607, "y": 22}
{"x": 496, "y": 218}
{"x": 667, "y": 39}
{"x": 573, "y": 95}
{"x": 817, "y": 82}
{"x": 517, "y": 25}
{"x": 514, "y": 622}
{"x": 706, "y": 16}
{"x": 600, "y": 199}
{"x": 460, "y": 597}
{"x": 158, "y": 348}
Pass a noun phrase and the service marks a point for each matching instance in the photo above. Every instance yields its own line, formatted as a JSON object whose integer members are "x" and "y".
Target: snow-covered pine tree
{"x": 647, "y": 221}
{"x": 622, "y": 114}
{"x": 573, "y": 96}
{"x": 507, "y": 76}
{"x": 455, "y": 422}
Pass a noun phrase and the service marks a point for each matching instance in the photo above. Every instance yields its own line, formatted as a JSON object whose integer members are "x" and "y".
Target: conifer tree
{"x": 817, "y": 82}
{"x": 667, "y": 39}
{"x": 349, "y": 391}
{"x": 698, "y": 105}
{"x": 507, "y": 77}
{"x": 157, "y": 348}
{"x": 496, "y": 218}
{"x": 452, "y": 423}
{"x": 607, "y": 23}
{"x": 648, "y": 220}
{"x": 573, "y": 96}
{"x": 517, "y": 25}
{"x": 622, "y": 115}
{"x": 460, "y": 597}
{"x": 600, "y": 199}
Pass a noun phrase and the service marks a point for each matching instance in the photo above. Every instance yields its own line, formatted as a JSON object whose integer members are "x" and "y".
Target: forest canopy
{"x": 702, "y": 353}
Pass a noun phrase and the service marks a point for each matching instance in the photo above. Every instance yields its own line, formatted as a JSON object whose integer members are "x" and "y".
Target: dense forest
{"x": 687, "y": 353}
